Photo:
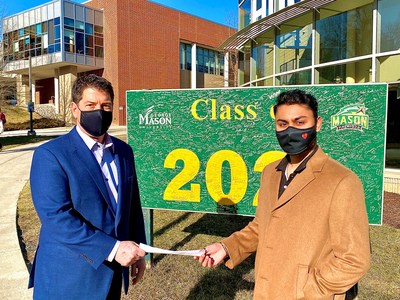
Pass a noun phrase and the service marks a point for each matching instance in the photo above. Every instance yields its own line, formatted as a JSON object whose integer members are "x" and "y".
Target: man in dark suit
{"x": 85, "y": 192}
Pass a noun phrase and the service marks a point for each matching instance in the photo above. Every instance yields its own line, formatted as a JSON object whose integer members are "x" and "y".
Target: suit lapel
{"x": 88, "y": 161}
{"x": 120, "y": 163}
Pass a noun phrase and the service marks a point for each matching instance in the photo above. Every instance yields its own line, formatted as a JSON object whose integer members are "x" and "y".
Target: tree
{"x": 7, "y": 81}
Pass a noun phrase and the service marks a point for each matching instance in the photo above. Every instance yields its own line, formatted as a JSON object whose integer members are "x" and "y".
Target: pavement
{"x": 14, "y": 174}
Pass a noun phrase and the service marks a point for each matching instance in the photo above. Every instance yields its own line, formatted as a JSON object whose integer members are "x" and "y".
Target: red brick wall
{"x": 142, "y": 44}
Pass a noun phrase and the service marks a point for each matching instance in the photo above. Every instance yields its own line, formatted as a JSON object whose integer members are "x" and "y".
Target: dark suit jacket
{"x": 79, "y": 225}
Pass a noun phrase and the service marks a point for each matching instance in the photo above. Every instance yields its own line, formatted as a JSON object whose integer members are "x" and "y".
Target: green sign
{"x": 204, "y": 150}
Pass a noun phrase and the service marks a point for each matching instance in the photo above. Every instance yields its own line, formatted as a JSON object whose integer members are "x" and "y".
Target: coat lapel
{"x": 299, "y": 183}
{"x": 88, "y": 161}
{"x": 301, "y": 180}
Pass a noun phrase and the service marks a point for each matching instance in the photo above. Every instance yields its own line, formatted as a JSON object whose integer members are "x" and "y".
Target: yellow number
{"x": 238, "y": 177}
{"x": 264, "y": 160}
{"x": 189, "y": 171}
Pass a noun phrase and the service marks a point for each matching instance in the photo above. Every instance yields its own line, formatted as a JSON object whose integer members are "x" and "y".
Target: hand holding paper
{"x": 150, "y": 249}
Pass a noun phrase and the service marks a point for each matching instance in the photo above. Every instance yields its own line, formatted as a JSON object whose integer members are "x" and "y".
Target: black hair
{"x": 297, "y": 97}
{"x": 91, "y": 81}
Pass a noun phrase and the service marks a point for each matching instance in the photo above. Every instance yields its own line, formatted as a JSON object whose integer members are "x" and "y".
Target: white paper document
{"x": 150, "y": 249}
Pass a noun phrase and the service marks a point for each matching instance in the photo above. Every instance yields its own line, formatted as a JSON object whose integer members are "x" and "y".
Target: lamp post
{"x": 31, "y": 108}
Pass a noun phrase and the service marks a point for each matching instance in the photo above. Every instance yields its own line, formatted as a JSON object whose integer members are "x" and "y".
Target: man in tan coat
{"x": 310, "y": 230}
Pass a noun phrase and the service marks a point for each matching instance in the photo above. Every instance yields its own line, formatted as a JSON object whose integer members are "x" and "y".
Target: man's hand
{"x": 137, "y": 271}
{"x": 213, "y": 255}
{"x": 128, "y": 253}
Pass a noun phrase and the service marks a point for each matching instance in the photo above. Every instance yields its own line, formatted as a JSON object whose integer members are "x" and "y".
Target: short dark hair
{"x": 297, "y": 97}
{"x": 91, "y": 81}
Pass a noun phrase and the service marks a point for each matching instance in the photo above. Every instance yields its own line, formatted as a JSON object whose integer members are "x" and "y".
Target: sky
{"x": 219, "y": 11}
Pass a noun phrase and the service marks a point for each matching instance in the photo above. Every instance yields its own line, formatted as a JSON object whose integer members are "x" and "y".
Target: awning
{"x": 253, "y": 30}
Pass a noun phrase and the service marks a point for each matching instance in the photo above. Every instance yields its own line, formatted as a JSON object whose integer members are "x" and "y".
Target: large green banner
{"x": 204, "y": 150}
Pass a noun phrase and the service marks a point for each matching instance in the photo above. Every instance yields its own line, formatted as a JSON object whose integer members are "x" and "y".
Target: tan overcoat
{"x": 312, "y": 242}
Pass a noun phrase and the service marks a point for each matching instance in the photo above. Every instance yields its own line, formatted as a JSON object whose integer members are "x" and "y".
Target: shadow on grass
{"x": 221, "y": 282}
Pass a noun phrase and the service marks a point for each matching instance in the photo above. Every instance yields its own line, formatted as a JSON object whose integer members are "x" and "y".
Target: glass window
{"x": 259, "y": 4}
{"x": 44, "y": 27}
{"x": 21, "y": 32}
{"x": 57, "y": 47}
{"x": 69, "y": 41}
{"x": 88, "y": 28}
{"x": 354, "y": 72}
{"x": 57, "y": 33}
{"x": 302, "y": 77}
{"x": 99, "y": 51}
{"x": 57, "y": 21}
{"x": 188, "y": 57}
{"x": 200, "y": 59}
{"x": 387, "y": 71}
{"x": 182, "y": 58}
{"x": 69, "y": 23}
{"x": 79, "y": 26}
{"x": 98, "y": 41}
{"x": 294, "y": 46}
{"x": 39, "y": 28}
{"x": 262, "y": 55}
{"x": 80, "y": 44}
{"x": 89, "y": 41}
{"x": 51, "y": 32}
{"x": 89, "y": 51}
{"x": 345, "y": 35}
{"x": 98, "y": 30}
{"x": 244, "y": 64}
{"x": 389, "y": 25}
{"x": 244, "y": 14}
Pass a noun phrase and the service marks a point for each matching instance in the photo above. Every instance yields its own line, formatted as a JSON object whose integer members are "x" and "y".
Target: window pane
{"x": 303, "y": 77}
{"x": 69, "y": 23}
{"x": 89, "y": 41}
{"x": 79, "y": 26}
{"x": 355, "y": 72}
{"x": 99, "y": 52}
{"x": 294, "y": 48}
{"x": 80, "y": 45}
{"x": 88, "y": 28}
{"x": 345, "y": 35}
{"x": 389, "y": 27}
{"x": 39, "y": 28}
{"x": 244, "y": 14}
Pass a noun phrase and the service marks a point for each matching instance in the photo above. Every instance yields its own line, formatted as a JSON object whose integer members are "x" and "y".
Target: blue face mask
{"x": 295, "y": 141}
{"x": 96, "y": 122}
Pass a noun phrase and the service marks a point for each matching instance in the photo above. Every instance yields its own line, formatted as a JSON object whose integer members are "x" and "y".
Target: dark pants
{"x": 116, "y": 286}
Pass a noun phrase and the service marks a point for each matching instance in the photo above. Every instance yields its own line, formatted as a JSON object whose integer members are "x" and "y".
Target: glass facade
{"x": 43, "y": 30}
{"x": 340, "y": 42}
{"x": 244, "y": 13}
{"x": 207, "y": 61}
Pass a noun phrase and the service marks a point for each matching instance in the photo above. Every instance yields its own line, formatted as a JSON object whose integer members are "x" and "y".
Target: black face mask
{"x": 96, "y": 122}
{"x": 295, "y": 141}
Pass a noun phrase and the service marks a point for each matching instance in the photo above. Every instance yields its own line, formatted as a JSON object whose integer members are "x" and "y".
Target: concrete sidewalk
{"x": 14, "y": 173}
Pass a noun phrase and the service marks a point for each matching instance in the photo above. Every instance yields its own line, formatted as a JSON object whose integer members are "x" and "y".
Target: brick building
{"x": 136, "y": 44}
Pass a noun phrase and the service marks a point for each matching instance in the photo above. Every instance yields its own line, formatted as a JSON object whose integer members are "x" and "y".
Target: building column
{"x": 56, "y": 100}
{"x": 66, "y": 78}
{"x": 23, "y": 89}
{"x": 193, "y": 74}
{"x": 226, "y": 69}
